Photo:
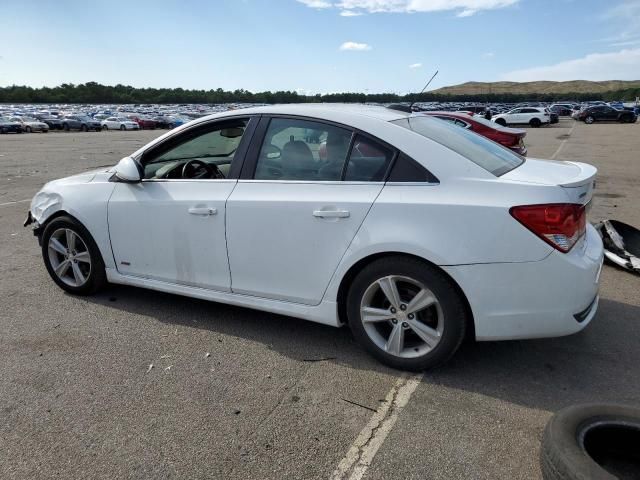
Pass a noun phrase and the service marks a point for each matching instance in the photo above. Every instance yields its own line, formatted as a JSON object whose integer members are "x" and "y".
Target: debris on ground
{"x": 621, "y": 244}
{"x": 150, "y": 367}
{"x": 168, "y": 368}
{"x": 165, "y": 356}
{"x": 207, "y": 355}
{"x": 322, "y": 359}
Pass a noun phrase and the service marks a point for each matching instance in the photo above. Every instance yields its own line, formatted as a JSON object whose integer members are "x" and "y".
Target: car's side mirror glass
{"x": 128, "y": 170}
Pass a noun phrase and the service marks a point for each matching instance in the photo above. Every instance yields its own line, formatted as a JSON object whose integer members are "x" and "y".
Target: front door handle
{"x": 331, "y": 213}
{"x": 205, "y": 211}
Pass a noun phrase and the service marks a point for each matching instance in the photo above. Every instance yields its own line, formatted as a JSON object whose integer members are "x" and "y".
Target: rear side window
{"x": 368, "y": 161}
{"x": 489, "y": 155}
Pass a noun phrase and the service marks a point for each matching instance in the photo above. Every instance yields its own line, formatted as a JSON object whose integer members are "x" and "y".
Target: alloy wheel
{"x": 69, "y": 257}
{"x": 402, "y": 316}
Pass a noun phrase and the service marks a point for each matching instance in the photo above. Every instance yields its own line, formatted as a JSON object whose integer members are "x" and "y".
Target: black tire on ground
{"x": 65, "y": 127}
{"x": 97, "y": 277}
{"x": 596, "y": 442}
{"x": 104, "y": 127}
{"x": 28, "y": 129}
{"x": 84, "y": 128}
{"x": 2, "y": 130}
{"x": 122, "y": 127}
{"x": 589, "y": 120}
{"x": 501, "y": 121}
{"x": 535, "y": 122}
{"x": 453, "y": 308}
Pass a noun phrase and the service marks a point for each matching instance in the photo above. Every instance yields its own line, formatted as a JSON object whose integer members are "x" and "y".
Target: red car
{"x": 144, "y": 122}
{"x": 511, "y": 138}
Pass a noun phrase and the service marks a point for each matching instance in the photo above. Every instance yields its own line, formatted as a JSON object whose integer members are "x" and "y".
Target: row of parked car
{"x": 43, "y": 122}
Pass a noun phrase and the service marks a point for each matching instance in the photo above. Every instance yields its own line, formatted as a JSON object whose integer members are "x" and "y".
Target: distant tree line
{"x": 92, "y": 92}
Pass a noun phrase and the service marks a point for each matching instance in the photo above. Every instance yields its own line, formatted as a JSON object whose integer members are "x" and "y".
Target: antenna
{"x": 425, "y": 87}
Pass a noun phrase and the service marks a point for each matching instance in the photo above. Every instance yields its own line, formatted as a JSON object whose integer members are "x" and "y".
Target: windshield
{"x": 489, "y": 155}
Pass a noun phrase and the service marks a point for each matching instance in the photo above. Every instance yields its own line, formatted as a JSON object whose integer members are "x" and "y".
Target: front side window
{"x": 302, "y": 150}
{"x": 489, "y": 155}
{"x": 201, "y": 154}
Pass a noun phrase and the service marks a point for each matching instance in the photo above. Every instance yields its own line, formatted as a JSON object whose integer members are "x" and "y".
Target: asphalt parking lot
{"x": 235, "y": 393}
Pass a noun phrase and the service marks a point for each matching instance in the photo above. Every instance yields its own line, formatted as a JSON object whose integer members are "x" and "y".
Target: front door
{"x": 171, "y": 226}
{"x": 289, "y": 225}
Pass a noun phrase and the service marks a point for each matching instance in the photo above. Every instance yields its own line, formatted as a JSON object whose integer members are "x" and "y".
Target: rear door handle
{"x": 331, "y": 213}
{"x": 205, "y": 211}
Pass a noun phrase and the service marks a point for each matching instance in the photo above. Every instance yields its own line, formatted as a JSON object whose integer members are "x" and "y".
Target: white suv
{"x": 534, "y": 116}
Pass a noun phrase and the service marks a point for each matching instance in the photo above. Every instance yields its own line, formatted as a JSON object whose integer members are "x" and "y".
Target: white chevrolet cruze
{"x": 413, "y": 232}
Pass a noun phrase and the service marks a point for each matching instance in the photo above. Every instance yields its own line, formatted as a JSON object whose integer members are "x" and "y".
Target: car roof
{"x": 329, "y": 111}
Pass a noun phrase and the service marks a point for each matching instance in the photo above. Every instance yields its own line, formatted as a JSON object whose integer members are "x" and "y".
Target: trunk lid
{"x": 577, "y": 179}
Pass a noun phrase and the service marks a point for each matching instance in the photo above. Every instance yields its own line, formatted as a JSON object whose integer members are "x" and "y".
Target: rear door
{"x": 298, "y": 205}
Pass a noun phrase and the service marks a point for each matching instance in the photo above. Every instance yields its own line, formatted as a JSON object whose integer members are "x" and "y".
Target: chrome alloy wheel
{"x": 402, "y": 316}
{"x": 69, "y": 257}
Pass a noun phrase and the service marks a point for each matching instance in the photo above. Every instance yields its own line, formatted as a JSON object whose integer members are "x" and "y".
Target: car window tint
{"x": 368, "y": 161}
{"x": 214, "y": 147}
{"x": 489, "y": 155}
{"x": 302, "y": 150}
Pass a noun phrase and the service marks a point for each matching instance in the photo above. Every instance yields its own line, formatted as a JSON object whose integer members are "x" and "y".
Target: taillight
{"x": 558, "y": 224}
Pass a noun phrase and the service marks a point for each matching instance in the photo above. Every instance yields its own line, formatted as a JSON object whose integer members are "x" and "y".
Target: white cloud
{"x": 350, "y": 13}
{"x": 464, "y": 8}
{"x": 316, "y": 3}
{"x": 622, "y": 65}
{"x": 355, "y": 46}
{"x": 415, "y": 65}
{"x": 488, "y": 55}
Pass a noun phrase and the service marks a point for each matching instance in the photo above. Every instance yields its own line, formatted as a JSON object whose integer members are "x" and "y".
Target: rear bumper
{"x": 553, "y": 297}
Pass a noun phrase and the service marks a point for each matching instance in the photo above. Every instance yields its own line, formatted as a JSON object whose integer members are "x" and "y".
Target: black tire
{"x": 84, "y": 128}
{"x": 123, "y": 128}
{"x": 96, "y": 278}
{"x": 598, "y": 442}
{"x": 104, "y": 127}
{"x": 501, "y": 121}
{"x": 589, "y": 120}
{"x": 453, "y": 306}
{"x": 65, "y": 127}
{"x": 28, "y": 129}
{"x": 535, "y": 122}
{"x": 2, "y": 130}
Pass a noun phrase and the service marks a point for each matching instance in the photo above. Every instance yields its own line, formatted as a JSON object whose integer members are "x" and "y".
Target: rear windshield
{"x": 489, "y": 155}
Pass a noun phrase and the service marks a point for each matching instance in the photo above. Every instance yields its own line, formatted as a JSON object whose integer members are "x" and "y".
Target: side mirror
{"x": 129, "y": 170}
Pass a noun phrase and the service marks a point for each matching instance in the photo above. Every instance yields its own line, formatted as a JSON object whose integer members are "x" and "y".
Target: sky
{"x": 317, "y": 46}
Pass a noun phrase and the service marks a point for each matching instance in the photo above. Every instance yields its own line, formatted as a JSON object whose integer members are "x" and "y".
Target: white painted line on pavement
{"x": 553, "y": 157}
{"x": 13, "y": 203}
{"x": 361, "y": 453}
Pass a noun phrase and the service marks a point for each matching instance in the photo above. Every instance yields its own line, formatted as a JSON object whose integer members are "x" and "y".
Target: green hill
{"x": 541, "y": 87}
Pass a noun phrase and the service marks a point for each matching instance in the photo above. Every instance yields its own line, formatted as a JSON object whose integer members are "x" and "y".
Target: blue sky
{"x": 317, "y": 45}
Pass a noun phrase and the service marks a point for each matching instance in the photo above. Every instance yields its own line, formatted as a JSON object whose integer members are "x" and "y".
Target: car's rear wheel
{"x": 84, "y": 128}
{"x": 589, "y": 120}
{"x": 72, "y": 257}
{"x": 65, "y": 127}
{"x": 28, "y": 129}
{"x": 535, "y": 122}
{"x": 406, "y": 313}
{"x": 501, "y": 121}
{"x": 104, "y": 127}
{"x": 122, "y": 127}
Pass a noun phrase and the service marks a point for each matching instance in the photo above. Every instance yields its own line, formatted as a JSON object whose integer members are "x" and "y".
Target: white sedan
{"x": 413, "y": 232}
{"x": 119, "y": 123}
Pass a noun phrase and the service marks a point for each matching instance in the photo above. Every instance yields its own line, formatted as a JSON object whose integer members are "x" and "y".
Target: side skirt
{"x": 326, "y": 312}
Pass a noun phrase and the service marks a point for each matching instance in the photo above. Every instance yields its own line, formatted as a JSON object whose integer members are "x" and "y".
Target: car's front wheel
{"x": 589, "y": 120}
{"x": 72, "y": 257}
{"x": 406, "y": 313}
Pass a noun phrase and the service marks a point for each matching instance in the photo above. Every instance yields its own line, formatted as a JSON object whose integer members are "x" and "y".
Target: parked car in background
{"x": 145, "y": 123}
{"x": 405, "y": 232}
{"x": 119, "y": 123}
{"x": 562, "y": 110}
{"x": 53, "y": 122}
{"x": 509, "y": 137}
{"x": 9, "y": 126}
{"x": 553, "y": 116}
{"x": 83, "y": 123}
{"x": 605, "y": 113}
{"x": 163, "y": 121}
{"x": 30, "y": 124}
{"x": 533, "y": 116}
